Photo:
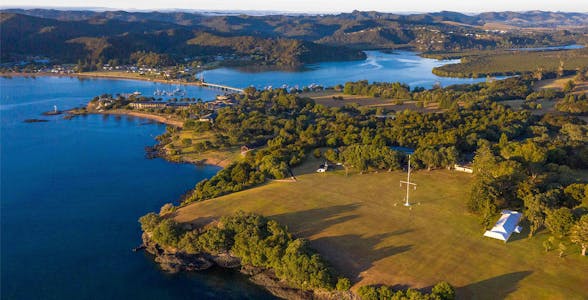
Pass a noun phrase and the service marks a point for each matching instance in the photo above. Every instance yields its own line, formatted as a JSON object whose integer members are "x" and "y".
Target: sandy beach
{"x": 105, "y": 75}
{"x": 157, "y": 118}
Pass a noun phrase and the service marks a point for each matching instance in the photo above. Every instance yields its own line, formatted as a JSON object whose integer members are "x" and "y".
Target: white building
{"x": 323, "y": 168}
{"x": 463, "y": 168}
{"x": 506, "y": 225}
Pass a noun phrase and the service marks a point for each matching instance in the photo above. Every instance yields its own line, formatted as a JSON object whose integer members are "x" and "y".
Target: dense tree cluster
{"x": 494, "y": 90}
{"x": 575, "y": 104}
{"x": 285, "y": 128}
{"x": 257, "y": 241}
{"x": 151, "y": 59}
{"x": 534, "y": 175}
{"x": 441, "y": 291}
{"x": 394, "y": 90}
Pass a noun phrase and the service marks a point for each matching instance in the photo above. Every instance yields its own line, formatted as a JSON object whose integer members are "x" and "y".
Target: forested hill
{"x": 281, "y": 39}
{"x": 107, "y": 39}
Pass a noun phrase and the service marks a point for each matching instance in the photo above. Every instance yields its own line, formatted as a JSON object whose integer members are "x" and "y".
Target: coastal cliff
{"x": 173, "y": 261}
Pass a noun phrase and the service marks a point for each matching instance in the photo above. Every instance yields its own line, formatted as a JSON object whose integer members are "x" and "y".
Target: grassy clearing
{"x": 547, "y": 106}
{"x": 326, "y": 98}
{"x": 359, "y": 224}
{"x": 558, "y": 83}
{"x": 514, "y": 62}
{"x": 177, "y": 150}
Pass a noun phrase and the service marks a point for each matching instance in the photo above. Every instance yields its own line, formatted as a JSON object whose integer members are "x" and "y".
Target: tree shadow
{"x": 492, "y": 288}
{"x": 307, "y": 223}
{"x": 194, "y": 223}
{"x": 350, "y": 254}
{"x": 353, "y": 254}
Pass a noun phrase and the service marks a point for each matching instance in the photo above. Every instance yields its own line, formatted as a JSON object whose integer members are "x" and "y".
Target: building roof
{"x": 506, "y": 225}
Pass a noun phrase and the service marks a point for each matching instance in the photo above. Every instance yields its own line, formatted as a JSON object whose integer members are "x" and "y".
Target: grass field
{"x": 326, "y": 98}
{"x": 513, "y": 62}
{"x": 558, "y": 83}
{"x": 358, "y": 223}
{"x": 219, "y": 157}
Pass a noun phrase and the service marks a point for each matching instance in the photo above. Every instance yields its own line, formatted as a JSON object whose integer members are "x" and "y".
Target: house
{"x": 207, "y": 118}
{"x": 323, "y": 168}
{"x": 506, "y": 225}
{"x": 150, "y": 104}
{"x": 463, "y": 168}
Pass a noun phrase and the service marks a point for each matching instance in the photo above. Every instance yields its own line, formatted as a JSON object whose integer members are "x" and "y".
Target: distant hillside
{"x": 104, "y": 39}
{"x": 287, "y": 39}
{"x": 521, "y": 19}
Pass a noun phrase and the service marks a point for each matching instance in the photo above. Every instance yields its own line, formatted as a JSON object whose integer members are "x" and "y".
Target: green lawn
{"x": 359, "y": 225}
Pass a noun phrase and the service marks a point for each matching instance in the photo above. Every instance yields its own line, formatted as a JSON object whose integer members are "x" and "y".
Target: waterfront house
{"x": 150, "y": 104}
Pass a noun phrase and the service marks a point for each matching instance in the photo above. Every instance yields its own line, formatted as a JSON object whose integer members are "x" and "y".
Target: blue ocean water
{"x": 71, "y": 193}
{"x": 402, "y": 66}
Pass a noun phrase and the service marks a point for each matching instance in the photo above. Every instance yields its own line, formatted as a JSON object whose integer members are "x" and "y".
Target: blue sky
{"x": 316, "y": 5}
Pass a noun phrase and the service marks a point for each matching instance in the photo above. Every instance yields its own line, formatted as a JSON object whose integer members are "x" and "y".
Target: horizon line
{"x": 244, "y": 11}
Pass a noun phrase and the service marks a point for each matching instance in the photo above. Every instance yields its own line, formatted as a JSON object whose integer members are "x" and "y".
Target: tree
{"x": 149, "y": 221}
{"x": 444, "y": 291}
{"x": 317, "y": 153}
{"x": 576, "y": 194}
{"x": 534, "y": 212}
{"x": 167, "y": 208}
{"x": 167, "y": 233}
{"x": 343, "y": 284}
{"x": 538, "y": 74}
{"x": 562, "y": 249}
{"x": 548, "y": 244}
{"x": 579, "y": 234}
{"x": 559, "y": 221}
{"x": 568, "y": 86}
{"x": 560, "y": 69}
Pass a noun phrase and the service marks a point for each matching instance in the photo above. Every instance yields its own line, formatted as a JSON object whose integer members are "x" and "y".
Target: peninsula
{"x": 351, "y": 215}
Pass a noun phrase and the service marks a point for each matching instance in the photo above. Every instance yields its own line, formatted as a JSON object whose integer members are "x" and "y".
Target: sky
{"x": 314, "y": 5}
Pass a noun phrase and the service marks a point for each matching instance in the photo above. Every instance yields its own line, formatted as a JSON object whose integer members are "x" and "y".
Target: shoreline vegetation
{"x": 264, "y": 250}
{"x": 101, "y": 75}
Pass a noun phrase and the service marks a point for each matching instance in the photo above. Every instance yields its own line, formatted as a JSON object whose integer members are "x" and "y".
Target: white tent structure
{"x": 506, "y": 225}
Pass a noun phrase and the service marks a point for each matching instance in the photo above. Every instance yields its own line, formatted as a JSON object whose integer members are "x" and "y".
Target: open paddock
{"x": 358, "y": 223}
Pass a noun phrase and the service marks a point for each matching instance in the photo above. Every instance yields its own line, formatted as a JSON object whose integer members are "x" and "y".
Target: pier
{"x": 222, "y": 87}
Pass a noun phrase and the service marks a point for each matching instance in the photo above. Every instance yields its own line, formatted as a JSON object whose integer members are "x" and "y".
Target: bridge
{"x": 222, "y": 87}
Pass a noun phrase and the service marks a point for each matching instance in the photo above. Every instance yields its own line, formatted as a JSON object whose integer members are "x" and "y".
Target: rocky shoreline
{"x": 173, "y": 261}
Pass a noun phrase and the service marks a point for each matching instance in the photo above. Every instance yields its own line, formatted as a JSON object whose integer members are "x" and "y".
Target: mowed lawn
{"x": 358, "y": 223}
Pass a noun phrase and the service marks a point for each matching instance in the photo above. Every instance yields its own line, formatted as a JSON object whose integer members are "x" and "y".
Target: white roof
{"x": 506, "y": 225}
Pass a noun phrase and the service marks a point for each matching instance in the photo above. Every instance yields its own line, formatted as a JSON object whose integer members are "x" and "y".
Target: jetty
{"x": 221, "y": 87}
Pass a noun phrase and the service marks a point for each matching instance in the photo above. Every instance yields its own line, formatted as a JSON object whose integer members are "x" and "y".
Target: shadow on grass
{"x": 492, "y": 288}
{"x": 350, "y": 254}
{"x": 353, "y": 255}
{"x": 307, "y": 223}
{"x": 195, "y": 223}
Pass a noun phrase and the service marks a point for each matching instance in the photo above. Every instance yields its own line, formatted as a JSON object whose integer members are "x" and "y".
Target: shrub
{"x": 343, "y": 284}
{"x": 167, "y": 208}
{"x": 559, "y": 221}
{"x": 444, "y": 291}
{"x": 149, "y": 222}
{"x": 167, "y": 233}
